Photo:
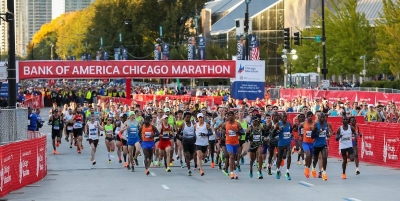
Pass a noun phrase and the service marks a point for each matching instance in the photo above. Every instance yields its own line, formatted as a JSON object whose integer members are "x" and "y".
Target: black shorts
{"x": 203, "y": 149}
{"x": 189, "y": 147}
{"x": 94, "y": 142}
{"x": 124, "y": 142}
{"x": 271, "y": 148}
{"x": 156, "y": 140}
{"x": 348, "y": 151}
{"x": 282, "y": 149}
{"x": 54, "y": 134}
{"x": 118, "y": 138}
{"x": 211, "y": 142}
{"x": 110, "y": 139}
{"x": 241, "y": 142}
{"x": 318, "y": 150}
{"x": 78, "y": 132}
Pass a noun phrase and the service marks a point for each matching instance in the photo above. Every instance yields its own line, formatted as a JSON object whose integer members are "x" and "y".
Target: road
{"x": 71, "y": 176}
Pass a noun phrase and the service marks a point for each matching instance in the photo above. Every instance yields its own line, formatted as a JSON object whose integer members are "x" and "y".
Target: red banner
{"x": 124, "y": 69}
{"x": 33, "y": 102}
{"x": 22, "y": 163}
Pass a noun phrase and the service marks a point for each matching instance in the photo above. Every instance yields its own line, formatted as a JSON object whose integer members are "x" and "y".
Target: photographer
{"x": 39, "y": 120}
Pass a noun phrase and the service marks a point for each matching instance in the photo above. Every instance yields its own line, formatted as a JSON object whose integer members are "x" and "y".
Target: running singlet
{"x": 307, "y": 131}
{"x": 147, "y": 133}
{"x": 179, "y": 123}
{"x": 285, "y": 137}
{"x": 320, "y": 141}
{"x": 354, "y": 136}
{"x": 93, "y": 132}
{"x": 78, "y": 121}
{"x": 165, "y": 131}
{"x": 55, "y": 126}
{"x": 68, "y": 117}
{"x": 108, "y": 129}
{"x": 244, "y": 126}
{"x": 171, "y": 120}
{"x": 345, "y": 141}
{"x": 132, "y": 132}
{"x": 232, "y": 137}
{"x": 201, "y": 140}
{"x": 188, "y": 133}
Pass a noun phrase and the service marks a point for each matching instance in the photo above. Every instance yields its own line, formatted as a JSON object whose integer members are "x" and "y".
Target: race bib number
{"x": 56, "y": 127}
{"x": 232, "y": 133}
{"x": 93, "y": 131}
{"x": 301, "y": 131}
{"x": 70, "y": 128}
{"x": 133, "y": 130}
{"x": 147, "y": 134}
{"x": 256, "y": 138}
{"x": 308, "y": 133}
{"x": 345, "y": 138}
{"x": 109, "y": 132}
{"x": 78, "y": 125}
{"x": 166, "y": 135}
{"x": 286, "y": 135}
{"x": 29, "y": 122}
{"x": 322, "y": 134}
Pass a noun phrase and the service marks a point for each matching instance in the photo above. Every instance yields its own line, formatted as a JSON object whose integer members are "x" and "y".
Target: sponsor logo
{"x": 201, "y": 40}
{"x": 389, "y": 148}
{"x": 241, "y": 69}
{"x": 39, "y": 160}
{"x": 366, "y": 146}
{"x": 23, "y": 165}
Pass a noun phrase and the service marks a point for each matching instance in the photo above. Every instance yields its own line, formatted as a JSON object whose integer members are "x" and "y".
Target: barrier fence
{"x": 13, "y": 125}
{"x": 22, "y": 163}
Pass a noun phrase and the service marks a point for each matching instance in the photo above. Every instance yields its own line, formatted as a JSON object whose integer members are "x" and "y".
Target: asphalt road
{"x": 71, "y": 176}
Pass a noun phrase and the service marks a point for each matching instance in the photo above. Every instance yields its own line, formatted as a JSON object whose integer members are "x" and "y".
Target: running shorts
{"x": 163, "y": 144}
{"x": 94, "y": 142}
{"x": 308, "y": 147}
{"x": 148, "y": 144}
{"x": 132, "y": 141}
{"x": 78, "y": 132}
{"x": 282, "y": 149}
{"x": 189, "y": 147}
{"x": 203, "y": 149}
{"x": 348, "y": 151}
{"x": 265, "y": 149}
{"x": 232, "y": 148}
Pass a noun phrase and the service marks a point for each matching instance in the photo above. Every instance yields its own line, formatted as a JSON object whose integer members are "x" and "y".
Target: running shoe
{"x": 298, "y": 163}
{"x": 171, "y": 164}
{"x": 70, "y": 146}
{"x": 202, "y": 161}
{"x": 151, "y": 164}
{"x": 307, "y": 172}
{"x": 260, "y": 175}
{"x": 324, "y": 177}
{"x": 250, "y": 174}
{"x": 189, "y": 173}
{"x": 182, "y": 165}
{"x": 133, "y": 168}
{"x": 177, "y": 157}
{"x": 201, "y": 173}
{"x": 274, "y": 163}
{"x": 79, "y": 151}
{"x": 282, "y": 163}
{"x": 75, "y": 143}
{"x": 238, "y": 169}
{"x": 205, "y": 160}
{"x": 155, "y": 163}
{"x": 219, "y": 166}
{"x": 136, "y": 162}
{"x": 264, "y": 165}
{"x": 287, "y": 175}
{"x": 343, "y": 176}
{"x": 168, "y": 169}
{"x": 319, "y": 175}
{"x": 109, "y": 160}
{"x": 125, "y": 164}
{"x": 236, "y": 176}
{"x": 159, "y": 163}
{"x": 120, "y": 160}
{"x": 55, "y": 152}
{"x": 129, "y": 167}
{"x": 242, "y": 160}
{"x": 278, "y": 174}
{"x": 93, "y": 162}
{"x": 232, "y": 176}
{"x": 225, "y": 172}
{"x": 314, "y": 173}
{"x": 147, "y": 172}
{"x": 357, "y": 171}
{"x": 66, "y": 139}
{"x": 269, "y": 171}
{"x": 212, "y": 164}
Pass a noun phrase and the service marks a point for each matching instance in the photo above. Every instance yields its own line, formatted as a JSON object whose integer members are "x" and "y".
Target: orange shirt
{"x": 232, "y": 137}
{"x": 307, "y": 129}
{"x": 147, "y": 133}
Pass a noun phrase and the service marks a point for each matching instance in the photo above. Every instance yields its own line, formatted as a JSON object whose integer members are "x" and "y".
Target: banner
{"x": 165, "y": 51}
{"x": 117, "y": 54}
{"x": 124, "y": 54}
{"x": 192, "y": 48}
{"x": 105, "y": 55}
{"x": 249, "y": 80}
{"x": 254, "y": 47}
{"x": 201, "y": 45}
{"x": 124, "y": 69}
{"x": 157, "y": 52}
{"x": 22, "y": 163}
{"x": 241, "y": 48}
{"x": 4, "y": 90}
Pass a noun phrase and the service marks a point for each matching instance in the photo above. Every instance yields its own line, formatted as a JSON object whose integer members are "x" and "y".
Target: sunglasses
{"x": 108, "y": 119}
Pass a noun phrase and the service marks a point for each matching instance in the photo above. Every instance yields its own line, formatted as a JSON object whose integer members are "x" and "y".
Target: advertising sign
{"x": 201, "y": 51}
{"x": 192, "y": 48}
{"x": 249, "y": 80}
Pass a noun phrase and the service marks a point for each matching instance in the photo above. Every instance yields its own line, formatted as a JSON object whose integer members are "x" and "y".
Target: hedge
{"x": 382, "y": 84}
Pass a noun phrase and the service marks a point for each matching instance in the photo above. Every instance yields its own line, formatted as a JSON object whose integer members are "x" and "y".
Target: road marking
{"x": 351, "y": 199}
{"x": 152, "y": 174}
{"x": 306, "y": 184}
{"x": 112, "y": 156}
{"x": 165, "y": 187}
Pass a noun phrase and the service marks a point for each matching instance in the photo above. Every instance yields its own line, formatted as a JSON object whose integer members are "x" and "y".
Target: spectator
{"x": 32, "y": 120}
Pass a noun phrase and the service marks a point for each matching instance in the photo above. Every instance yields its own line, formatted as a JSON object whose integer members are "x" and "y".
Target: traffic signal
{"x": 297, "y": 38}
{"x": 286, "y": 38}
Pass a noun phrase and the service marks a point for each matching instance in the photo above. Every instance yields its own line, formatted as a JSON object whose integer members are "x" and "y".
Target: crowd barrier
{"x": 22, "y": 163}
{"x": 367, "y": 96}
{"x": 33, "y": 102}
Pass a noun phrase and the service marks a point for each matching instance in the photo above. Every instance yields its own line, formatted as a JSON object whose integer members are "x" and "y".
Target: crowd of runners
{"x": 192, "y": 134}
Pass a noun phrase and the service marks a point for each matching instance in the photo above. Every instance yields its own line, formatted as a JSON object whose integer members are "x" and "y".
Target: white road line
{"x": 306, "y": 184}
{"x": 165, "y": 187}
{"x": 351, "y": 199}
{"x": 112, "y": 156}
{"x": 152, "y": 174}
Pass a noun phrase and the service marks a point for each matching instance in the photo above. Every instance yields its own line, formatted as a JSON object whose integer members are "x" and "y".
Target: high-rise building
{"x": 3, "y": 29}
{"x": 64, "y": 6}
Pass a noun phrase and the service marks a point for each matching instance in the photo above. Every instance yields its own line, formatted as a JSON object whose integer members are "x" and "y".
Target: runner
{"x": 131, "y": 126}
{"x": 171, "y": 122}
{"x": 69, "y": 129}
{"x": 117, "y": 127}
{"x": 319, "y": 134}
{"x": 178, "y": 142}
{"x": 266, "y": 141}
{"x": 243, "y": 146}
{"x": 344, "y": 135}
{"x": 203, "y": 131}
{"x": 283, "y": 130}
{"x": 92, "y": 127}
{"x": 156, "y": 151}
{"x": 256, "y": 134}
{"x": 298, "y": 138}
{"x": 109, "y": 141}
{"x": 308, "y": 142}
{"x": 187, "y": 135}
{"x": 56, "y": 122}
{"x": 165, "y": 143}
{"x": 221, "y": 149}
{"x": 78, "y": 129}
{"x": 273, "y": 140}
{"x": 354, "y": 138}
{"x": 148, "y": 132}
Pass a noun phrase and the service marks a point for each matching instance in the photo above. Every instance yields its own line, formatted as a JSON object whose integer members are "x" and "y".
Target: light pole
{"x": 51, "y": 52}
{"x": 246, "y": 28}
{"x": 285, "y": 60}
{"x": 324, "y": 70}
{"x": 363, "y": 57}
{"x": 319, "y": 68}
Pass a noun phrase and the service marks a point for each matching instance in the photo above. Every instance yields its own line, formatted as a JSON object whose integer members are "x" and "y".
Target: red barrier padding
{"x": 33, "y": 102}
{"x": 22, "y": 163}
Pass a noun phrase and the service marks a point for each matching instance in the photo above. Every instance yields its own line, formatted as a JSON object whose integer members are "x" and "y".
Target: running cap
{"x": 165, "y": 116}
{"x": 166, "y": 110}
{"x": 131, "y": 113}
{"x": 200, "y": 115}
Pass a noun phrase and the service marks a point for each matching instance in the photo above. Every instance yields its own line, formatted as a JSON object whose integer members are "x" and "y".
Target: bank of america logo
{"x": 241, "y": 68}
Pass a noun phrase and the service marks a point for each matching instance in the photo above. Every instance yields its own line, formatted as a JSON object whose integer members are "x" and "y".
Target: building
{"x": 3, "y": 30}
{"x": 268, "y": 19}
{"x": 60, "y": 7}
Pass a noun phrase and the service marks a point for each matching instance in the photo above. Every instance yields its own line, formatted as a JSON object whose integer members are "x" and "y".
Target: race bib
{"x": 147, "y": 134}
{"x": 353, "y": 137}
{"x": 232, "y": 133}
{"x": 93, "y": 131}
{"x": 109, "y": 132}
{"x": 78, "y": 125}
{"x": 133, "y": 130}
{"x": 56, "y": 127}
{"x": 69, "y": 128}
{"x": 256, "y": 138}
{"x": 166, "y": 135}
{"x": 301, "y": 131}
{"x": 346, "y": 139}
{"x": 29, "y": 122}
{"x": 308, "y": 133}
{"x": 322, "y": 134}
{"x": 286, "y": 135}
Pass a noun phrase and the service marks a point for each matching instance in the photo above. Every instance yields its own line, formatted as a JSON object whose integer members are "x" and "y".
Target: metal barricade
{"x": 13, "y": 125}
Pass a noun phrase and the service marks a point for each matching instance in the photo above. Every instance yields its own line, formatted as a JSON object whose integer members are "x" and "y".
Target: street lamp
{"x": 363, "y": 57}
{"x": 285, "y": 60}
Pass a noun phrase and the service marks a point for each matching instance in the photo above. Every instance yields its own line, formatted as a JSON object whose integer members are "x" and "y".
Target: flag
{"x": 201, "y": 45}
{"x": 241, "y": 50}
{"x": 254, "y": 48}
{"x": 191, "y": 48}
